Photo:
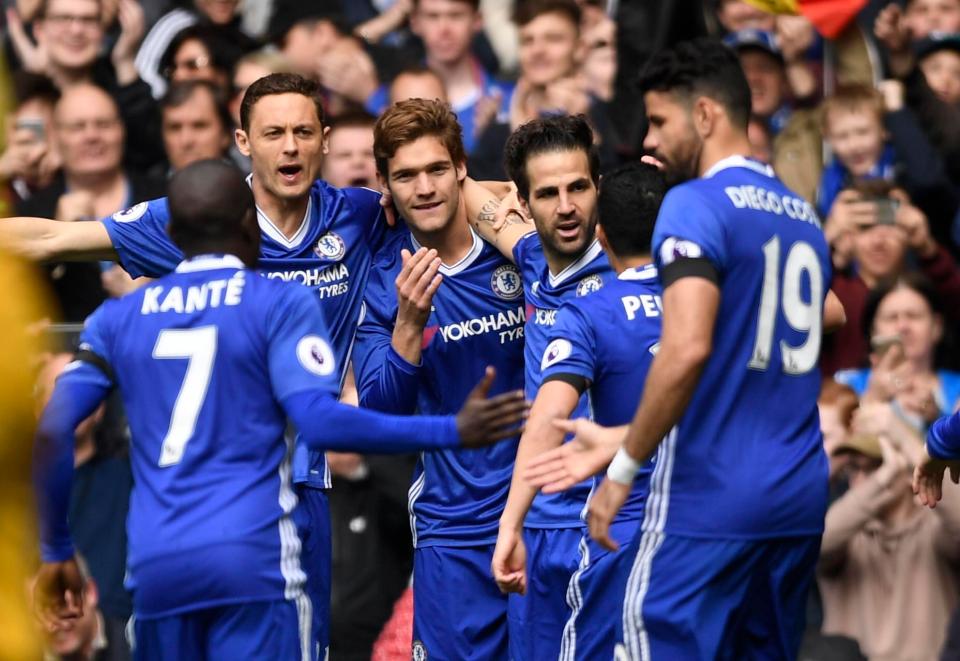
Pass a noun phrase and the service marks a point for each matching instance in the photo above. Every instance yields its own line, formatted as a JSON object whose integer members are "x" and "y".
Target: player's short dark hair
{"x": 701, "y": 67}
{"x": 208, "y": 201}
{"x": 628, "y": 202}
{"x": 279, "y": 83}
{"x": 528, "y": 10}
{"x": 547, "y": 134}
{"x": 474, "y": 4}
{"x": 352, "y": 119}
{"x": 181, "y": 92}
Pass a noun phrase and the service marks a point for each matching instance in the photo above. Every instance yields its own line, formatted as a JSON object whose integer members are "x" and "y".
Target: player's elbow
{"x": 834, "y": 315}
{"x": 690, "y": 352}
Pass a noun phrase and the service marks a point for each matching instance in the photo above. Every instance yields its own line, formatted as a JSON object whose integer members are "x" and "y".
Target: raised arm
{"x": 496, "y": 218}
{"x": 44, "y": 240}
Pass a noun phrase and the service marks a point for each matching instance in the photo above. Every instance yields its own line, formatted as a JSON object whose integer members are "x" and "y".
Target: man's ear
{"x": 243, "y": 142}
{"x": 326, "y": 140}
{"x": 704, "y": 116}
{"x": 602, "y": 238}
{"x": 382, "y": 183}
{"x": 461, "y": 172}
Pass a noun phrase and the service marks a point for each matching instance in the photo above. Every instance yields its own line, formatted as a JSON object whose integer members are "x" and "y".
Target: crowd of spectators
{"x": 104, "y": 99}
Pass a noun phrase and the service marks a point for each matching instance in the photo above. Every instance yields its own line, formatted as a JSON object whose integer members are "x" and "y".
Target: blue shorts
{"x": 266, "y": 630}
{"x": 537, "y": 618}
{"x": 595, "y": 592}
{"x": 691, "y": 598}
{"x": 458, "y": 611}
{"x": 312, "y": 518}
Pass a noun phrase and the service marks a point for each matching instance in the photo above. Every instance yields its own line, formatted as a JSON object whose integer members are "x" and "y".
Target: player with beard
{"x": 441, "y": 305}
{"x": 312, "y": 233}
{"x": 731, "y": 530}
{"x": 555, "y": 166}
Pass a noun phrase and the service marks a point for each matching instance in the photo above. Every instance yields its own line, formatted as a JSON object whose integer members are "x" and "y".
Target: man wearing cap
{"x": 888, "y": 568}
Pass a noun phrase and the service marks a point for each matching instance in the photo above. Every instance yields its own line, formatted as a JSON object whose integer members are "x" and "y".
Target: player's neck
{"x": 285, "y": 214}
{"x": 453, "y": 242}
{"x": 621, "y": 264}
{"x": 718, "y": 149}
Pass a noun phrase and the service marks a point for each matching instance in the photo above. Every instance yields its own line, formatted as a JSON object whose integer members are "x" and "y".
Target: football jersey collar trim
{"x": 591, "y": 254}
{"x": 209, "y": 263}
{"x": 464, "y": 262}
{"x": 648, "y": 272}
{"x": 271, "y": 230}
{"x": 739, "y": 162}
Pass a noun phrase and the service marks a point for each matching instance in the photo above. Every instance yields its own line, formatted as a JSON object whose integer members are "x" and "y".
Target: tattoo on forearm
{"x": 488, "y": 212}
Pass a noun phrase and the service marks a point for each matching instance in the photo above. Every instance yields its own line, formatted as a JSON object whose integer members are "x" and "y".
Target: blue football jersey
{"x": 747, "y": 460}
{"x": 608, "y": 340}
{"x": 477, "y": 320}
{"x": 545, "y": 293}
{"x": 331, "y": 254}
{"x": 210, "y": 511}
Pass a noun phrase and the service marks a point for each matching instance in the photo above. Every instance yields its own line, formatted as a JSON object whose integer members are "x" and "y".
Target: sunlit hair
{"x": 851, "y": 98}
{"x": 408, "y": 121}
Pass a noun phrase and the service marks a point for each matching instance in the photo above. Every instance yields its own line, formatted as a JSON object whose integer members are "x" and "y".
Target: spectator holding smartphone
{"x": 875, "y": 234}
{"x": 906, "y": 327}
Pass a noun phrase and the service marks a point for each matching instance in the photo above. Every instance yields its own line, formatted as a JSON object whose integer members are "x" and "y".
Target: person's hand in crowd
{"x": 522, "y": 107}
{"x": 58, "y": 593}
{"x": 895, "y": 464}
{"x": 486, "y": 111}
{"x": 117, "y": 282}
{"x": 919, "y": 396}
{"x": 24, "y": 156}
{"x": 847, "y": 215}
{"x": 390, "y": 19}
{"x": 795, "y": 35}
{"x": 599, "y": 67}
{"x": 893, "y": 94}
{"x": 879, "y": 419}
{"x": 132, "y": 28}
{"x": 568, "y": 95}
{"x": 928, "y": 478}
{"x": 915, "y": 226}
{"x": 570, "y": 463}
{"x": 77, "y": 205}
{"x": 892, "y": 31}
{"x": 889, "y": 374}
{"x": 33, "y": 57}
{"x": 349, "y": 72}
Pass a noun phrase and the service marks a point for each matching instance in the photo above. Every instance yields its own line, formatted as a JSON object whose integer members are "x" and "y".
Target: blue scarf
{"x": 836, "y": 177}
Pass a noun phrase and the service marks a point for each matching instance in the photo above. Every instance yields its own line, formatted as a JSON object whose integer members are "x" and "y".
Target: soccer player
{"x": 731, "y": 530}
{"x": 603, "y": 346}
{"x": 211, "y": 361}
{"x": 311, "y": 233}
{"x": 441, "y": 305}
{"x": 555, "y": 167}
{"x": 942, "y": 453}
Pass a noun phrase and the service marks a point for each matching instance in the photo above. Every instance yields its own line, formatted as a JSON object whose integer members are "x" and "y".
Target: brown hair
{"x": 474, "y": 4}
{"x": 407, "y": 121}
{"x": 527, "y": 10}
{"x": 844, "y": 398}
{"x": 851, "y": 97}
{"x": 279, "y": 83}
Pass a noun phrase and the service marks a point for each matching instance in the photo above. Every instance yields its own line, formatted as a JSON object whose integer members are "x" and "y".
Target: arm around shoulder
{"x": 42, "y": 239}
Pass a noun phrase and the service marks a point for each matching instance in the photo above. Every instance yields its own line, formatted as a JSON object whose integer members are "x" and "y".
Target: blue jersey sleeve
{"x": 385, "y": 380}
{"x": 524, "y": 250}
{"x": 139, "y": 235}
{"x": 688, "y": 228}
{"x": 298, "y": 351}
{"x": 367, "y": 203}
{"x": 572, "y": 347}
{"x": 82, "y": 386}
{"x": 943, "y": 438}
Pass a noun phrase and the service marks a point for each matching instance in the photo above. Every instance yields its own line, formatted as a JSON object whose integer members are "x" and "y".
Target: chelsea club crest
{"x": 506, "y": 282}
{"x": 589, "y": 285}
{"x": 330, "y": 246}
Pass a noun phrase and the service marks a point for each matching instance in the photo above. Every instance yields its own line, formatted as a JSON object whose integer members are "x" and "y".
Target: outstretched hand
{"x": 571, "y": 463}
{"x": 58, "y": 593}
{"x": 483, "y": 421}
{"x": 928, "y": 478}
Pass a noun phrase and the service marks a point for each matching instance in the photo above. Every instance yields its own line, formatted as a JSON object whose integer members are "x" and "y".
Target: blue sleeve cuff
{"x": 59, "y": 551}
{"x": 402, "y": 363}
{"x": 943, "y": 438}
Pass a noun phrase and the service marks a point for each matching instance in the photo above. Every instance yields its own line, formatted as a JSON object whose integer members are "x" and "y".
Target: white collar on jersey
{"x": 739, "y": 162}
{"x": 268, "y": 228}
{"x": 588, "y": 256}
{"x": 647, "y": 272}
{"x": 209, "y": 263}
{"x": 464, "y": 262}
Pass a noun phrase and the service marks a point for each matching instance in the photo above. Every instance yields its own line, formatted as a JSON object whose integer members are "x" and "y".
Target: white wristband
{"x": 623, "y": 468}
